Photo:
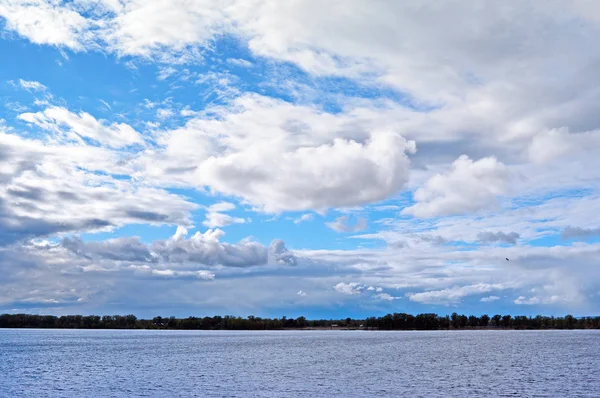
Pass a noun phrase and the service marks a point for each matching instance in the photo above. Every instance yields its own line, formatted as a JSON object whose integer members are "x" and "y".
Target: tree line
{"x": 395, "y": 321}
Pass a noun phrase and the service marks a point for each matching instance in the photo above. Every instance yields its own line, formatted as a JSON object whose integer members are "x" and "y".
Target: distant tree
{"x": 130, "y": 321}
{"x": 396, "y": 321}
{"x": 484, "y": 320}
{"x": 496, "y": 320}
{"x": 444, "y": 322}
{"x": 454, "y": 320}
{"x": 473, "y": 321}
{"x": 426, "y": 322}
{"x": 570, "y": 322}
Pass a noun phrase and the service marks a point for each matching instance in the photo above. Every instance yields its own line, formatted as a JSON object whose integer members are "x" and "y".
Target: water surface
{"x": 141, "y": 363}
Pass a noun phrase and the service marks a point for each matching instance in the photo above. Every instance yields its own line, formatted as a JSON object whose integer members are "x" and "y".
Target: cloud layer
{"x": 400, "y": 151}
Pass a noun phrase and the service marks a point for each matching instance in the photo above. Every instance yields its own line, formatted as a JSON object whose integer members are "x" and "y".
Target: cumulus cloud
{"x": 578, "y": 232}
{"x": 204, "y": 249}
{"x": 387, "y": 297}
{"x": 356, "y": 288}
{"x": 344, "y": 173}
{"x": 343, "y": 224}
{"x": 83, "y": 126}
{"x": 279, "y": 254}
{"x": 279, "y": 156}
{"x": 349, "y": 288}
{"x": 498, "y": 237}
{"x": 468, "y": 187}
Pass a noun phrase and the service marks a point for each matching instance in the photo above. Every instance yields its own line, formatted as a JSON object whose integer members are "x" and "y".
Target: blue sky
{"x": 309, "y": 158}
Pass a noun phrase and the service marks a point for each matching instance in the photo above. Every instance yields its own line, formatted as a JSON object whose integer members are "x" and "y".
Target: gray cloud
{"x": 48, "y": 188}
{"x": 343, "y": 224}
{"x": 120, "y": 249}
{"x": 279, "y": 254}
{"x": 201, "y": 248}
{"x": 578, "y": 232}
{"x": 145, "y": 215}
{"x": 498, "y": 237}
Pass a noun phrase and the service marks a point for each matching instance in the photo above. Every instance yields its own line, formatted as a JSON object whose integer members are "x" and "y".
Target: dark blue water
{"x": 88, "y": 363}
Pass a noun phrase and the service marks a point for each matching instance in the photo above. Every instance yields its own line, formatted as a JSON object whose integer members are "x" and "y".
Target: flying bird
{"x": 507, "y": 259}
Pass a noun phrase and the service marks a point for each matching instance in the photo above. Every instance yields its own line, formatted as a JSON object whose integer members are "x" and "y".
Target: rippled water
{"x": 138, "y": 363}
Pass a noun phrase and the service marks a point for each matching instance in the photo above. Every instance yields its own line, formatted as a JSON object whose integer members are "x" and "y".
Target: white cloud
{"x": 106, "y": 104}
{"x": 344, "y": 173}
{"x": 523, "y": 300}
{"x": 303, "y": 218}
{"x": 387, "y": 297}
{"x": 142, "y": 28}
{"x": 219, "y": 220}
{"x": 169, "y": 273}
{"x": 206, "y": 248}
{"x": 221, "y": 206}
{"x": 355, "y": 288}
{"x": 32, "y": 85}
{"x": 240, "y": 62}
{"x": 468, "y": 187}
{"x": 535, "y": 300}
{"x": 48, "y": 189}
{"x": 489, "y": 299}
{"x": 216, "y": 219}
{"x": 342, "y": 224}
{"x": 278, "y": 156}
{"x": 452, "y": 295}
{"x": 47, "y": 22}
{"x": 349, "y": 288}
{"x": 551, "y": 145}
{"x": 164, "y": 113}
{"x": 83, "y": 125}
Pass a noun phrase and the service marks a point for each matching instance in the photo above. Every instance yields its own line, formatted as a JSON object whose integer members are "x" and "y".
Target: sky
{"x": 316, "y": 158}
